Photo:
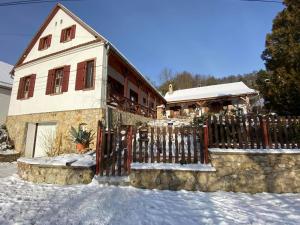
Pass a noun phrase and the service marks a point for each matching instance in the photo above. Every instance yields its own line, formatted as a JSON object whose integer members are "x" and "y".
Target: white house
{"x": 70, "y": 74}
{"x": 5, "y": 89}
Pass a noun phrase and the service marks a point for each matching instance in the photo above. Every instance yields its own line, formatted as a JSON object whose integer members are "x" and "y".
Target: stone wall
{"x": 128, "y": 118}
{"x": 17, "y": 126}
{"x": 237, "y": 172}
{"x": 63, "y": 175}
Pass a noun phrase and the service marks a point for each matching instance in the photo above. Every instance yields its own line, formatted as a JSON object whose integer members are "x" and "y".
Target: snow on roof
{"x": 213, "y": 91}
{"x": 5, "y": 78}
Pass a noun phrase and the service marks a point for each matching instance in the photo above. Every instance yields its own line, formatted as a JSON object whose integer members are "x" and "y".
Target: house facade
{"x": 69, "y": 74}
{"x": 230, "y": 98}
{"x": 5, "y": 89}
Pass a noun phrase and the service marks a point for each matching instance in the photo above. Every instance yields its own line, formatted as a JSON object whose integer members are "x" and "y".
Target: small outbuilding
{"x": 5, "y": 89}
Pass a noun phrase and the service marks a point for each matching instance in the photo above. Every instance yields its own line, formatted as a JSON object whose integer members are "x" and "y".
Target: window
{"x": 89, "y": 77}
{"x": 85, "y": 75}
{"x": 45, "y": 42}
{"x": 68, "y": 34}
{"x": 26, "y": 87}
{"x": 58, "y": 81}
{"x": 133, "y": 96}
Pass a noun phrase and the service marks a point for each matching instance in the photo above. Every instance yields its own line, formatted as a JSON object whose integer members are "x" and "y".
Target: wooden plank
{"x": 146, "y": 148}
{"x": 140, "y": 140}
{"x": 245, "y": 132}
{"x": 216, "y": 133}
{"x": 227, "y": 131}
{"x": 239, "y": 132}
{"x": 98, "y": 147}
{"x": 298, "y": 132}
{"x": 195, "y": 145}
{"x": 291, "y": 140}
{"x": 170, "y": 144}
{"x": 108, "y": 151}
{"x": 205, "y": 149}
{"x": 164, "y": 145}
{"x": 274, "y": 131}
{"x": 189, "y": 156}
{"x": 134, "y": 158}
{"x": 233, "y": 132}
{"x": 129, "y": 149}
{"x": 286, "y": 137}
{"x": 201, "y": 146}
{"x": 280, "y": 132}
{"x": 222, "y": 131}
{"x": 257, "y": 132}
{"x": 119, "y": 154}
{"x": 251, "y": 131}
{"x": 210, "y": 129}
{"x": 176, "y": 145}
{"x": 182, "y": 160}
{"x": 158, "y": 145}
{"x": 114, "y": 152}
{"x": 151, "y": 145}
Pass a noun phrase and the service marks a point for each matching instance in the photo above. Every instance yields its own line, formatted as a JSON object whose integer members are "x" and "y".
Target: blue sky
{"x": 217, "y": 37}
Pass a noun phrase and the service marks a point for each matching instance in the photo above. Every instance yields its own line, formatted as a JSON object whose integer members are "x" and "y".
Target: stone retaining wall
{"x": 235, "y": 171}
{"x": 63, "y": 175}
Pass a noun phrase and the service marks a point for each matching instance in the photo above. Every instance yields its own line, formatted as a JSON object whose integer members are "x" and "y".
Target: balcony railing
{"x": 127, "y": 105}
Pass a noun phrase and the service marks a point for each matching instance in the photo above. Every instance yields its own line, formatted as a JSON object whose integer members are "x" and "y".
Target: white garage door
{"x": 45, "y": 137}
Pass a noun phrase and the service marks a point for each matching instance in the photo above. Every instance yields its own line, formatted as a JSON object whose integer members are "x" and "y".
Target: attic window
{"x": 68, "y": 34}
{"x": 45, "y": 42}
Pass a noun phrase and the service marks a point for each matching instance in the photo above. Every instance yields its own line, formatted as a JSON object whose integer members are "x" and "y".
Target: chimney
{"x": 170, "y": 89}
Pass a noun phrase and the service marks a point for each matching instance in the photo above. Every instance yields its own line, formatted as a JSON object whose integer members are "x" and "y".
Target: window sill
{"x": 44, "y": 49}
{"x": 88, "y": 89}
{"x": 66, "y": 41}
{"x": 53, "y": 94}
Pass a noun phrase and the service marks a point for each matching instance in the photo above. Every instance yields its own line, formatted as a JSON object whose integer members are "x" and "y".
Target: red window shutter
{"x": 40, "y": 43}
{"x": 80, "y": 76}
{"x": 50, "y": 82}
{"x": 49, "y": 40}
{"x": 65, "y": 81}
{"x": 62, "y": 35}
{"x": 73, "y": 31}
{"x": 21, "y": 88}
{"x": 31, "y": 86}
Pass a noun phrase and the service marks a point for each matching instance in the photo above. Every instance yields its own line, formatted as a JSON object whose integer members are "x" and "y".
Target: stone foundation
{"x": 237, "y": 172}
{"x": 63, "y": 175}
{"x": 128, "y": 118}
{"x": 17, "y": 126}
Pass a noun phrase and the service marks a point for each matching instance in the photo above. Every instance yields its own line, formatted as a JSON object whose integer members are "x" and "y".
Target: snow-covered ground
{"x": 27, "y": 203}
{"x": 7, "y": 169}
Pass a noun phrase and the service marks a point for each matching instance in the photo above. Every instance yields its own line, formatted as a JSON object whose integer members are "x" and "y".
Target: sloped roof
{"x": 5, "y": 78}
{"x": 88, "y": 28}
{"x": 209, "y": 92}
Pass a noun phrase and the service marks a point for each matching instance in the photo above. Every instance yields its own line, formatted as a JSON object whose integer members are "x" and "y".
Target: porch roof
{"x": 210, "y": 92}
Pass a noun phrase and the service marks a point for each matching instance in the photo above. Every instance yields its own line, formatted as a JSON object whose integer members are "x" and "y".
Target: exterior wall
{"x": 60, "y": 21}
{"x": 17, "y": 126}
{"x": 70, "y": 100}
{"x": 128, "y": 118}
{"x": 4, "y": 103}
{"x": 237, "y": 172}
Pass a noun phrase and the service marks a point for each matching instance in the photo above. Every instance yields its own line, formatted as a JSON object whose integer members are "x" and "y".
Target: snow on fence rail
{"x": 254, "y": 132}
{"x": 117, "y": 148}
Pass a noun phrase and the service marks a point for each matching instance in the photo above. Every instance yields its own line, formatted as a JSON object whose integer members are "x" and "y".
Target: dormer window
{"x": 68, "y": 34}
{"x": 45, "y": 42}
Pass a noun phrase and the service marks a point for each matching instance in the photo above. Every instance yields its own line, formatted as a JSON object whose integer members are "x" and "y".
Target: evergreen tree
{"x": 282, "y": 59}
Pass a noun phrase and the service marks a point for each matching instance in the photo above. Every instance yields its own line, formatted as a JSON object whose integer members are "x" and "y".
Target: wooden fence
{"x": 254, "y": 132}
{"x": 117, "y": 148}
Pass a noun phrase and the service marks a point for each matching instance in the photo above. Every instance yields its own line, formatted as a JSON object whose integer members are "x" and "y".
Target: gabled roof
{"x": 210, "y": 92}
{"x": 5, "y": 78}
{"x": 88, "y": 28}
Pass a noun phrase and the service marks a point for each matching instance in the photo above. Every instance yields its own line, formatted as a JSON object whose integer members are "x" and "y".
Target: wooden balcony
{"x": 127, "y": 105}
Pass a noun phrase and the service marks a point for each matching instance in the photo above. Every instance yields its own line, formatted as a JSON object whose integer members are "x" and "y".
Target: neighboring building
{"x": 70, "y": 74}
{"x": 224, "y": 98}
{"x": 5, "y": 89}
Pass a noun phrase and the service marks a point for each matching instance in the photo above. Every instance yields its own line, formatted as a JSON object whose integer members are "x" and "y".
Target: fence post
{"x": 265, "y": 133}
{"x": 98, "y": 147}
{"x": 129, "y": 149}
{"x": 205, "y": 140}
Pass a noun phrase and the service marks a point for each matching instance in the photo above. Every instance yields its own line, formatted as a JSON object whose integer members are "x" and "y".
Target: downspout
{"x": 104, "y": 80}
